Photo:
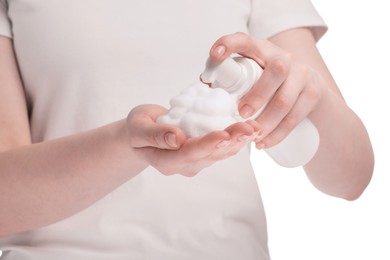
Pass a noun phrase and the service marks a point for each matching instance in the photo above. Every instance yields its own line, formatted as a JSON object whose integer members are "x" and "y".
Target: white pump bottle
{"x": 237, "y": 76}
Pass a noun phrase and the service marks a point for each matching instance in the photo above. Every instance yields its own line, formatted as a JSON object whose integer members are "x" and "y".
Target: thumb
{"x": 145, "y": 132}
{"x": 161, "y": 136}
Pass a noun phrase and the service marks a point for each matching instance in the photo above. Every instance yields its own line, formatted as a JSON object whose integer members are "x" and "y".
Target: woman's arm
{"x": 46, "y": 182}
{"x": 298, "y": 85}
{"x": 344, "y": 163}
{"x": 13, "y": 107}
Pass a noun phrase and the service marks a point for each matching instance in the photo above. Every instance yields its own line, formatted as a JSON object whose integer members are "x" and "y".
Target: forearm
{"x": 46, "y": 182}
{"x": 344, "y": 162}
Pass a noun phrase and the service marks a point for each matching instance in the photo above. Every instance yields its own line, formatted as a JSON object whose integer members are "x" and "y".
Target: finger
{"x": 161, "y": 136}
{"x": 261, "y": 51}
{"x": 190, "y": 158}
{"x": 196, "y": 151}
{"x": 272, "y": 78}
{"x": 242, "y": 130}
{"x": 241, "y": 134}
{"x": 304, "y": 105}
{"x": 145, "y": 132}
{"x": 191, "y": 152}
{"x": 234, "y": 43}
{"x": 281, "y": 103}
{"x": 275, "y": 61}
{"x": 256, "y": 126}
{"x": 198, "y": 148}
{"x": 229, "y": 148}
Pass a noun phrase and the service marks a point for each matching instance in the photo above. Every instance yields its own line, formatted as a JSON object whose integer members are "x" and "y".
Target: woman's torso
{"x": 86, "y": 63}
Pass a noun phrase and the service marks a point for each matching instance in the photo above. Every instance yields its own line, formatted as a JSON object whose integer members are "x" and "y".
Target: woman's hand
{"x": 292, "y": 88}
{"x": 166, "y": 148}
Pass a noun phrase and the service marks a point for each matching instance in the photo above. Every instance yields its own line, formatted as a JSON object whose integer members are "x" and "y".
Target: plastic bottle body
{"x": 237, "y": 76}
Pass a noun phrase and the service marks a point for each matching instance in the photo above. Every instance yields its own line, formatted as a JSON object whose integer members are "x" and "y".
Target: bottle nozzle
{"x": 224, "y": 74}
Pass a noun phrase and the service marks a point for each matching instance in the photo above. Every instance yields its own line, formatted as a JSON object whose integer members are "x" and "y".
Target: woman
{"x": 82, "y": 178}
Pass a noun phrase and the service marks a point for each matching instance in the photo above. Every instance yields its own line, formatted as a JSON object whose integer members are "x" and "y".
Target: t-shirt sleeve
{"x": 5, "y": 24}
{"x": 269, "y": 17}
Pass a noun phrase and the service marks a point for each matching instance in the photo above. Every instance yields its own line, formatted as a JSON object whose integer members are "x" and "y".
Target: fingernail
{"x": 223, "y": 143}
{"x": 257, "y": 139}
{"x": 219, "y": 51}
{"x": 260, "y": 145}
{"x": 243, "y": 138}
{"x": 246, "y": 111}
{"x": 170, "y": 139}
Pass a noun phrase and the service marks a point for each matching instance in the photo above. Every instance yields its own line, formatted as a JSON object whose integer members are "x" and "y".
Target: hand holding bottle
{"x": 291, "y": 88}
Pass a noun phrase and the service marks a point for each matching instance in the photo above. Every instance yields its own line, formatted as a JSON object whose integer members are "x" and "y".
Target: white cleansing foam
{"x": 198, "y": 110}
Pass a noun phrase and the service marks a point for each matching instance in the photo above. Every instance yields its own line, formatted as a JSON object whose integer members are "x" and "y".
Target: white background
{"x": 305, "y": 224}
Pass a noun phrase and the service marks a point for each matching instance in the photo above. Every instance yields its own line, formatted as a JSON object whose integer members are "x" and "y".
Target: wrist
{"x": 120, "y": 138}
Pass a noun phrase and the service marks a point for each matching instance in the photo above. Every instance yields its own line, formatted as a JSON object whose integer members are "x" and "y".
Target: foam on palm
{"x": 198, "y": 110}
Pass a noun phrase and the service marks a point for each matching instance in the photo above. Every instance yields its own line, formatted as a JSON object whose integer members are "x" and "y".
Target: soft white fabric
{"x": 5, "y": 28}
{"x": 86, "y": 63}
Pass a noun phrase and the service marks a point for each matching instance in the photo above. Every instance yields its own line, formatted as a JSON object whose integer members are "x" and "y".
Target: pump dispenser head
{"x": 236, "y": 75}
{"x": 226, "y": 74}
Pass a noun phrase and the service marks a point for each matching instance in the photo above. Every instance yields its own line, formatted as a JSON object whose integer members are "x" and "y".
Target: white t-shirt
{"x": 86, "y": 63}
